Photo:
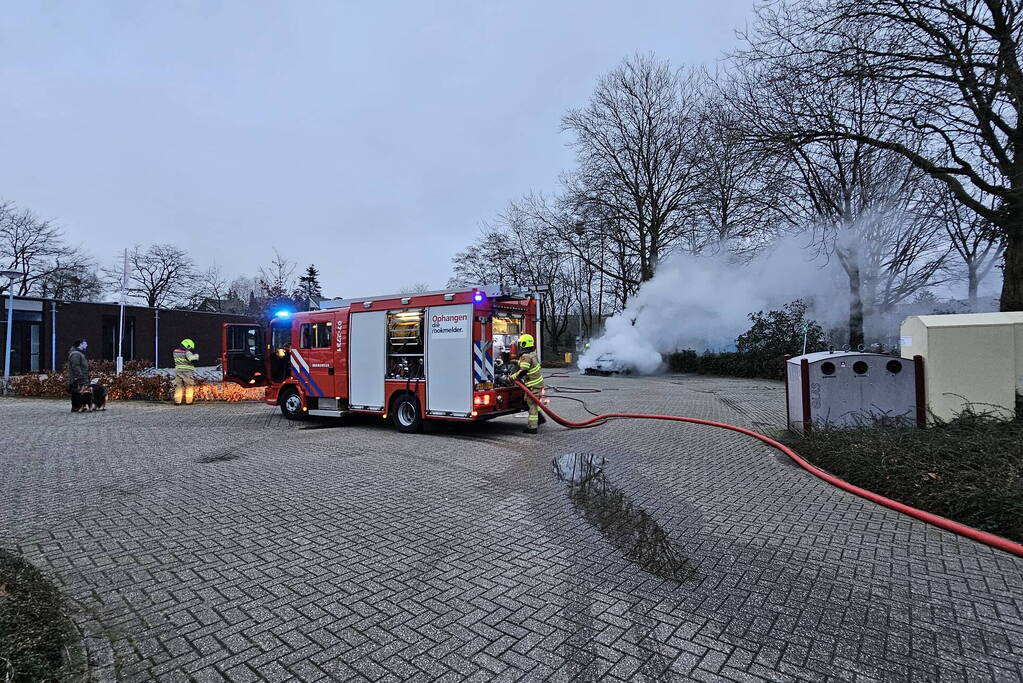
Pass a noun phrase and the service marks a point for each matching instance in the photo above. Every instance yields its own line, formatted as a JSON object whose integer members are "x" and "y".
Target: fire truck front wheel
{"x": 406, "y": 414}
{"x": 291, "y": 405}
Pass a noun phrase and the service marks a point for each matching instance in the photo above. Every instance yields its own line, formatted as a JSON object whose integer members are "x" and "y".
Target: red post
{"x": 921, "y": 395}
{"x": 804, "y": 379}
{"x": 785, "y": 366}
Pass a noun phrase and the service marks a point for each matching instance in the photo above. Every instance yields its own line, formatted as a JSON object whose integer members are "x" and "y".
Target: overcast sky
{"x": 371, "y": 139}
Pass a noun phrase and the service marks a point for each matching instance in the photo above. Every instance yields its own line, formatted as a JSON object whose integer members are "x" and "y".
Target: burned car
{"x": 605, "y": 365}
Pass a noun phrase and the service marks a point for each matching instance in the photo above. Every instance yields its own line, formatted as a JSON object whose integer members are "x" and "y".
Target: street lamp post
{"x": 9, "y": 274}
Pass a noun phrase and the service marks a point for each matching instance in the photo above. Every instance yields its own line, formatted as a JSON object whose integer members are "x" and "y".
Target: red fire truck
{"x": 436, "y": 356}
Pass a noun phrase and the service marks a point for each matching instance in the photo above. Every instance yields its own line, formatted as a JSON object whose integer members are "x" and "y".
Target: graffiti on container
{"x": 815, "y": 395}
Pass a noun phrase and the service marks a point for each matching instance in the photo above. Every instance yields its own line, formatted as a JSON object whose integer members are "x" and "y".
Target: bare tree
{"x": 904, "y": 250}
{"x": 77, "y": 280}
{"x": 34, "y": 247}
{"x": 277, "y": 286}
{"x": 592, "y": 290}
{"x": 861, "y": 202}
{"x": 741, "y": 185}
{"x": 211, "y": 291}
{"x": 162, "y": 275}
{"x": 277, "y": 279}
{"x": 247, "y": 292}
{"x": 635, "y": 143}
{"x": 538, "y": 267}
{"x": 512, "y": 252}
{"x": 600, "y": 245}
{"x": 977, "y": 245}
{"x": 487, "y": 260}
{"x": 952, "y": 75}
{"x": 245, "y": 287}
{"x": 416, "y": 288}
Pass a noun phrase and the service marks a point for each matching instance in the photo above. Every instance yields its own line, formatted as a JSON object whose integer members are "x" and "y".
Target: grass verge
{"x": 969, "y": 469}
{"x": 33, "y": 631}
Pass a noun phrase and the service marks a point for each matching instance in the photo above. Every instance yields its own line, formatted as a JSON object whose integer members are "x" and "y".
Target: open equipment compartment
{"x": 405, "y": 344}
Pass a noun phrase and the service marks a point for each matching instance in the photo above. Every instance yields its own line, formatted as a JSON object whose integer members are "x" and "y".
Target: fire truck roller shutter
{"x": 367, "y": 348}
{"x": 449, "y": 359}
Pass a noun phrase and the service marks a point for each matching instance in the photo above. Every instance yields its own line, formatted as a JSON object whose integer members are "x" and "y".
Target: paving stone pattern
{"x": 221, "y": 542}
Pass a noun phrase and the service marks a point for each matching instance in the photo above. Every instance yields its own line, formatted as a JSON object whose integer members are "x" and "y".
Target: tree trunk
{"x": 855, "y": 310}
{"x": 1012, "y": 284}
{"x": 549, "y": 327}
{"x": 973, "y": 282}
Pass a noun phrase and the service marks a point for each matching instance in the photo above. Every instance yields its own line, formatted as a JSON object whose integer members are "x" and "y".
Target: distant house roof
{"x": 230, "y": 305}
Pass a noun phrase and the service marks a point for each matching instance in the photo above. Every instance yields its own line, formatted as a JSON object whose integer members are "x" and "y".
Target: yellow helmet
{"x": 187, "y": 344}
{"x": 526, "y": 341}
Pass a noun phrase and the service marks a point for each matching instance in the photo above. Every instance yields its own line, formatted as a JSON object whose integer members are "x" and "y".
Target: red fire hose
{"x": 947, "y": 524}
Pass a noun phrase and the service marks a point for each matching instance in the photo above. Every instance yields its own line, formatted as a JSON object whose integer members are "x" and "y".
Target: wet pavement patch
{"x": 222, "y": 455}
{"x": 331, "y": 423}
{"x": 625, "y": 525}
{"x": 786, "y": 461}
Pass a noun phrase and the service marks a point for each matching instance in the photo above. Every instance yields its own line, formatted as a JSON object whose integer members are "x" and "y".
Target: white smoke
{"x": 702, "y": 303}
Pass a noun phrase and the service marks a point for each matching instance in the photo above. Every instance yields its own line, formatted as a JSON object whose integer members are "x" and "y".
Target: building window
{"x": 109, "y": 347}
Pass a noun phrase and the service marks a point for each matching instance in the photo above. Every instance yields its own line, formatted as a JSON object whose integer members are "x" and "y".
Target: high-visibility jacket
{"x": 530, "y": 370}
{"x": 184, "y": 360}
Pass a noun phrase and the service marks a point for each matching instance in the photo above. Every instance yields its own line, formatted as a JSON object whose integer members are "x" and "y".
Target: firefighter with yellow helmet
{"x": 531, "y": 374}
{"x": 184, "y": 372}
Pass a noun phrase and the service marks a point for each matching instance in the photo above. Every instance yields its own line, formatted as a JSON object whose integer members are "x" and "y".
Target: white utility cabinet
{"x": 969, "y": 358}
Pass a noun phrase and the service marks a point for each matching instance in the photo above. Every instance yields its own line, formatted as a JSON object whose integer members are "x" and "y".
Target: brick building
{"x": 44, "y": 330}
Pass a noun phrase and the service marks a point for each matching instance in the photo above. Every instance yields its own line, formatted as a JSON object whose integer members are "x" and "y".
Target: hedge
{"x": 731, "y": 364}
{"x": 136, "y": 382}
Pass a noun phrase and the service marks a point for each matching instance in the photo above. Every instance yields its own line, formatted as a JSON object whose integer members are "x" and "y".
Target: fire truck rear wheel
{"x": 291, "y": 405}
{"x": 406, "y": 415}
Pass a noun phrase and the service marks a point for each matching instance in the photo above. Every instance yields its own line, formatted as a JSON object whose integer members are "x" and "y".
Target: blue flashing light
{"x": 477, "y": 297}
{"x": 282, "y": 314}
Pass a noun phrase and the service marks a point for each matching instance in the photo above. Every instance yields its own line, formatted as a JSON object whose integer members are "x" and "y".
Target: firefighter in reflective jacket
{"x": 531, "y": 374}
{"x": 184, "y": 372}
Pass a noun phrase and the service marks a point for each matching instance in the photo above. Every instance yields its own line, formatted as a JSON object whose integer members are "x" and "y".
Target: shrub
{"x": 760, "y": 351}
{"x": 776, "y": 333}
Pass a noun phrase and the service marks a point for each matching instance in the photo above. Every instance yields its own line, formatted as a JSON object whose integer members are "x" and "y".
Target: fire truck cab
{"x": 434, "y": 356}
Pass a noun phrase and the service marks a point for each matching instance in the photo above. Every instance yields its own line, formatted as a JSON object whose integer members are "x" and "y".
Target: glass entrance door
{"x": 26, "y": 342}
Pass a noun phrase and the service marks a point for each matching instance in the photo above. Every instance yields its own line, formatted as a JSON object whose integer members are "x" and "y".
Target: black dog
{"x": 98, "y": 396}
{"x": 82, "y": 398}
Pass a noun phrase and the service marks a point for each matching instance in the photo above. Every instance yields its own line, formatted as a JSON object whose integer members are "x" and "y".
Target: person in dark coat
{"x": 78, "y": 375}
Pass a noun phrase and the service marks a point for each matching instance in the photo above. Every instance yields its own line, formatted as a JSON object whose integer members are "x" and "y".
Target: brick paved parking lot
{"x": 222, "y": 542}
